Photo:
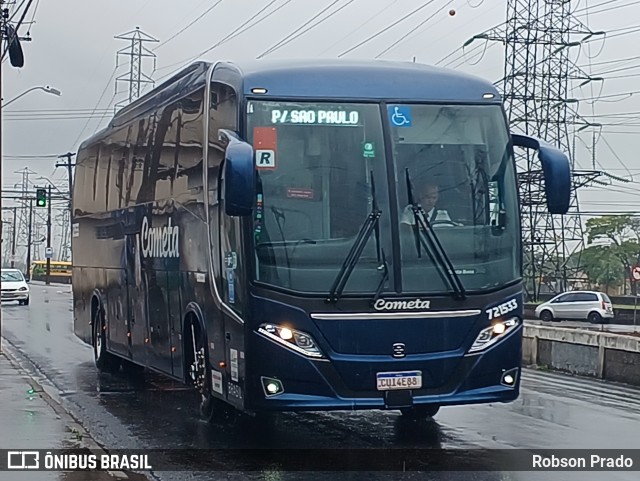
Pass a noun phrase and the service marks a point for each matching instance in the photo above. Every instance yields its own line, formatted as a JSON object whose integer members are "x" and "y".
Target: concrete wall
{"x": 602, "y": 355}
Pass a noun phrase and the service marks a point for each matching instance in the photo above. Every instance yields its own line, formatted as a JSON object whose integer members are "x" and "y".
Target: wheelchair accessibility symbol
{"x": 400, "y": 116}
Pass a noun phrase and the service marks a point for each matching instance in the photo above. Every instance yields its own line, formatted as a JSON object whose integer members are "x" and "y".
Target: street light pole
{"x": 48, "y": 236}
{"x": 13, "y": 239}
{"x": 49, "y": 90}
{"x": 30, "y": 233}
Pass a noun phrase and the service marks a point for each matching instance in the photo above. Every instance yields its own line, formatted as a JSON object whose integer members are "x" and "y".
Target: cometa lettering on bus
{"x": 159, "y": 241}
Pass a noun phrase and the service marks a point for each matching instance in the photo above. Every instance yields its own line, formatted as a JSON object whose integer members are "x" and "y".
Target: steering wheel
{"x": 444, "y": 222}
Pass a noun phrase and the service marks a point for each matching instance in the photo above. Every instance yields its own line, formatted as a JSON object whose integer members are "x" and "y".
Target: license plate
{"x": 390, "y": 381}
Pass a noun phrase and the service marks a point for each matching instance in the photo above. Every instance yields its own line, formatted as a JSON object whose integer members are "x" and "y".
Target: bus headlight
{"x": 296, "y": 340}
{"x": 492, "y": 334}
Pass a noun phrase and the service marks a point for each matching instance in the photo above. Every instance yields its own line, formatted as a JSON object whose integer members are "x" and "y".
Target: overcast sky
{"x": 74, "y": 51}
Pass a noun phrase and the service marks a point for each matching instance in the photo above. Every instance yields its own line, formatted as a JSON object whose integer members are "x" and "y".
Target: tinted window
{"x": 585, "y": 297}
{"x": 562, "y": 298}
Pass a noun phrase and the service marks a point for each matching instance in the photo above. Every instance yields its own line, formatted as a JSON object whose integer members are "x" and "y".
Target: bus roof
{"x": 317, "y": 79}
{"x": 362, "y": 79}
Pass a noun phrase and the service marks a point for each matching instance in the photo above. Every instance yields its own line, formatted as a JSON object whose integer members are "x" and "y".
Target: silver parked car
{"x": 14, "y": 286}
{"x": 593, "y": 306}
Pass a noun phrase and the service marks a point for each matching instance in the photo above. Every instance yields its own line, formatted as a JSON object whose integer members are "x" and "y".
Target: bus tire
{"x": 197, "y": 366}
{"x": 420, "y": 412}
{"x": 105, "y": 361}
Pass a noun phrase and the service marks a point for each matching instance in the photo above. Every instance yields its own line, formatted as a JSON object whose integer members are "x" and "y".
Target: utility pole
{"x": 69, "y": 166}
{"x": 48, "y": 251}
{"x": 13, "y": 239}
{"x": 29, "y": 235}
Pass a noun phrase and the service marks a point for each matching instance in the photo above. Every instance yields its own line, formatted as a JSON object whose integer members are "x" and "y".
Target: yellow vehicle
{"x": 60, "y": 271}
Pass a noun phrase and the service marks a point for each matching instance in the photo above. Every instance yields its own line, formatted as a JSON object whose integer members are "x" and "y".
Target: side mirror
{"x": 239, "y": 181}
{"x": 556, "y": 171}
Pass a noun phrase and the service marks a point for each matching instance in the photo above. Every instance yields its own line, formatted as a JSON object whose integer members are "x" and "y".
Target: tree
{"x": 622, "y": 233}
{"x": 602, "y": 267}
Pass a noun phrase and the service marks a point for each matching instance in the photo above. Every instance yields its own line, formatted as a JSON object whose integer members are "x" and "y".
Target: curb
{"x": 49, "y": 393}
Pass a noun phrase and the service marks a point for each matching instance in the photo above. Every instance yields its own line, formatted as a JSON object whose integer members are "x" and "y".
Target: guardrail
{"x": 602, "y": 355}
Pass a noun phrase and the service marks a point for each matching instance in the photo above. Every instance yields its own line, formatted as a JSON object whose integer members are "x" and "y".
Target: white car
{"x": 14, "y": 287}
{"x": 593, "y": 306}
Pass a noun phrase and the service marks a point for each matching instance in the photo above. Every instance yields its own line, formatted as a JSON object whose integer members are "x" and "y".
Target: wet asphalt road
{"x": 553, "y": 411}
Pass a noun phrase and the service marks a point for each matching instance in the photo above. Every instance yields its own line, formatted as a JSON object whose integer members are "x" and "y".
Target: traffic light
{"x": 41, "y": 197}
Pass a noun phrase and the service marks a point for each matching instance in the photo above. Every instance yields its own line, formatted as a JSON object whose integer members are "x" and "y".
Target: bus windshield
{"x": 316, "y": 163}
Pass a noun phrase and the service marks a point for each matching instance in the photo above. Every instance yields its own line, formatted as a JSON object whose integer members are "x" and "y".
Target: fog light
{"x": 272, "y": 387}
{"x": 509, "y": 377}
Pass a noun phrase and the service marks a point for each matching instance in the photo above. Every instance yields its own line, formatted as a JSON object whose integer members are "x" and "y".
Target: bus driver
{"x": 427, "y": 196}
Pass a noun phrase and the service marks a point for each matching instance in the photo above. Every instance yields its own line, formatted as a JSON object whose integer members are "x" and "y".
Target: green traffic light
{"x": 41, "y": 198}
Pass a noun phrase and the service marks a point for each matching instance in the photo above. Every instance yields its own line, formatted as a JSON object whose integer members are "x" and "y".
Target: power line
{"x": 291, "y": 36}
{"x": 245, "y": 27}
{"x": 388, "y": 27}
{"x": 405, "y": 36}
{"x": 362, "y": 25}
{"x": 182, "y": 30}
{"x": 14, "y": 34}
{"x": 111, "y": 77}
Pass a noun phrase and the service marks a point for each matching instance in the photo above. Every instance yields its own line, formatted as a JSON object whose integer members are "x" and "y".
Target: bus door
{"x": 234, "y": 294}
{"x": 158, "y": 320}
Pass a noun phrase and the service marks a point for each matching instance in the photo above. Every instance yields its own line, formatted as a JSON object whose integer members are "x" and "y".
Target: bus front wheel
{"x": 199, "y": 371}
{"x": 420, "y": 412}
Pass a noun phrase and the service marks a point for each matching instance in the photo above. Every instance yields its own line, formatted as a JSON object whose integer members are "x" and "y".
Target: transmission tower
{"x": 23, "y": 211}
{"x": 64, "y": 247}
{"x": 539, "y": 78}
{"x": 136, "y": 51}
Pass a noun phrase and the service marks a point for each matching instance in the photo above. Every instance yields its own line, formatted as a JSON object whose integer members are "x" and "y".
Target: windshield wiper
{"x": 384, "y": 267}
{"x": 370, "y": 225}
{"x": 432, "y": 244}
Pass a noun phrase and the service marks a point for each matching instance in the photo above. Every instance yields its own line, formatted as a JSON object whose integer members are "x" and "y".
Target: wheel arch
{"x": 97, "y": 303}
{"x": 193, "y": 314}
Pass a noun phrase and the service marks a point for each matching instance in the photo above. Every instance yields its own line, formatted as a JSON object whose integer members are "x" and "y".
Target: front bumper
{"x": 15, "y": 295}
{"x": 324, "y": 384}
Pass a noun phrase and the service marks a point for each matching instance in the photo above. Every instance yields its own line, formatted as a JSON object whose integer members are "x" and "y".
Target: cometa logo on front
{"x": 159, "y": 241}
{"x": 384, "y": 305}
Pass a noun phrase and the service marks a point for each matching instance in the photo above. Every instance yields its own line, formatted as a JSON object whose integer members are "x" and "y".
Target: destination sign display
{"x": 315, "y": 117}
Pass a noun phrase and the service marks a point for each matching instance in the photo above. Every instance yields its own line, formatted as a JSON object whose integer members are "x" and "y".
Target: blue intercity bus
{"x": 309, "y": 235}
